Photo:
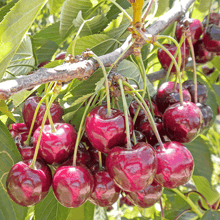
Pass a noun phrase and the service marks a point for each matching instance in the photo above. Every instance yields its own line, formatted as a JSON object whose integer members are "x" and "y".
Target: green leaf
{"x": 203, "y": 186}
{"x": 100, "y": 213}
{"x": 163, "y": 6}
{"x": 5, "y": 111}
{"x": 211, "y": 215}
{"x": 14, "y": 27}
{"x": 199, "y": 149}
{"x": 69, "y": 12}
{"x": 4, "y": 10}
{"x": 200, "y": 9}
{"x": 54, "y": 5}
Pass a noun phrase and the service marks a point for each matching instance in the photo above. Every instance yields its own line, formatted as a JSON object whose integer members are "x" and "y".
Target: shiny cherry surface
{"x": 182, "y": 123}
{"x": 30, "y": 106}
{"x": 105, "y": 192}
{"x": 28, "y": 186}
{"x": 56, "y": 147}
{"x": 132, "y": 170}
{"x": 105, "y": 132}
{"x": 175, "y": 165}
{"x": 168, "y": 94}
{"x": 60, "y": 56}
{"x": 165, "y": 60}
{"x": 72, "y": 185}
{"x": 147, "y": 197}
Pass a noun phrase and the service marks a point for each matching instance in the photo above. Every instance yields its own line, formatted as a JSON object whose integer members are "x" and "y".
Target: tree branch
{"x": 84, "y": 69}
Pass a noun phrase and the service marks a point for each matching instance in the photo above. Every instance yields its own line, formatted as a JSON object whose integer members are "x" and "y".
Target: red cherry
{"x": 147, "y": 197}
{"x": 195, "y": 28}
{"x": 165, "y": 60}
{"x": 214, "y": 18}
{"x": 72, "y": 185}
{"x": 105, "y": 132}
{"x": 182, "y": 123}
{"x": 58, "y": 146}
{"x": 30, "y": 106}
{"x": 60, "y": 56}
{"x": 175, "y": 165}
{"x": 132, "y": 170}
{"x": 168, "y": 94}
{"x": 17, "y": 128}
{"x": 105, "y": 192}
{"x": 42, "y": 64}
{"x": 28, "y": 186}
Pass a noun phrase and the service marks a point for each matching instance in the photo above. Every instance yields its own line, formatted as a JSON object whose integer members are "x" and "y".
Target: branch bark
{"x": 84, "y": 69}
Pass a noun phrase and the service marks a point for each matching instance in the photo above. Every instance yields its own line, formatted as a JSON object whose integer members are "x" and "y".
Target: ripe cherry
{"x": 30, "y": 106}
{"x": 56, "y": 147}
{"x": 214, "y": 18}
{"x": 182, "y": 123}
{"x": 105, "y": 132}
{"x": 72, "y": 185}
{"x": 175, "y": 165}
{"x": 132, "y": 170}
{"x": 60, "y": 56}
{"x": 40, "y": 65}
{"x": 28, "y": 186}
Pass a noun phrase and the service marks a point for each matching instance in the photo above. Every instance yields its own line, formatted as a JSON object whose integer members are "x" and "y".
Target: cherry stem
{"x": 134, "y": 138}
{"x": 79, "y": 136}
{"x": 161, "y": 207}
{"x": 181, "y": 213}
{"x": 147, "y": 112}
{"x": 147, "y": 11}
{"x": 189, "y": 201}
{"x": 194, "y": 67}
{"x": 125, "y": 107}
{"x": 100, "y": 160}
{"x": 32, "y": 165}
{"x": 153, "y": 15}
{"x": 106, "y": 84}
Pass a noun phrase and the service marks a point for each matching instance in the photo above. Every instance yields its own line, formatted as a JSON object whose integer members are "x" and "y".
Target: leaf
{"x": 69, "y": 11}
{"x": 200, "y": 8}
{"x": 163, "y": 6}
{"x": 100, "y": 213}
{"x": 4, "y": 10}
{"x": 14, "y": 27}
{"x": 203, "y": 186}
{"x": 54, "y": 5}
{"x": 211, "y": 215}
{"x": 199, "y": 149}
{"x": 5, "y": 111}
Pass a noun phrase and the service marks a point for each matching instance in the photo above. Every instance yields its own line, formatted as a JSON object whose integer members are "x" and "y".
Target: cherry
{"x": 207, "y": 115}
{"x": 182, "y": 123}
{"x": 211, "y": 38}
{"x": 202, "y": 92}
{"x": 140, "y": 137}
{"x": 28, "y": 186}
{"x": 105, "y": 132}
{"x": 214, "y": 18}
{"x": 30, "y": 106}
{"x": 60, "y": 56}
{"x": 105, "y": 192}
{"x": 195, "y": 28}
{"x": 42, "y": 64}
{"x": 17, "y": 128}
{"x": 168, "y": 94}
{"x": 165, "y": 60}
{"x": 201, "y": 54}
{"x": 56, "y": 147}
{"x": 132, "y": 170}
{"x": 207, "y": 71}
{"x": 147, "y": 197}
{"x": 175, "y": 165}
{"x": 72, "y": 185}
{"x": 95, "y": 155}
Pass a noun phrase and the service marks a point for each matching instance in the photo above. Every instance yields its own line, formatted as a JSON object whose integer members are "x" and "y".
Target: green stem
{"x": 136, "y": 82}
{"x": 100, "y": 160}
{"x": 189, "y": 201}
{"x": 125, "y": 107}
{"x": 147, "y": 11}
{"x": 81, "y": 129}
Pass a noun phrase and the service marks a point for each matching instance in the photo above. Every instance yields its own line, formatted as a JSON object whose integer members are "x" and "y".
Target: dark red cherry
{"x": 207, "y": 115}
{"x": 72, "y": 185}
{"x": 140, "y": 137}
{"x": 30, "y": 106}
{"x": 207, "y": 71}
{"x": 17, "y": 128}
{"x": 168, "y": 94}
{"x": 211, "y": 38}
{"x": 28, "y": 186}
{"x": 132, "y": 170}
{"x": 214, "y": 18}
{"x": 56, "y": 147}
{"x": 147, "y": 197}
{"x": 165, "y": 60}
{"x": 202, "y": 91}
{"x": 126, "y": 201}
{"x": 182, "y": 123}
{"x": 175, "y": 165}
{"x": 195, "y": 28}
{"x": 105, "y": 132}
{"x": 60, "y": 56}
{"x": 105, "y": 192}
{"x": 95, "y": 155}
{"x": 201, "y": 54}
{"x": 42, "y": 64}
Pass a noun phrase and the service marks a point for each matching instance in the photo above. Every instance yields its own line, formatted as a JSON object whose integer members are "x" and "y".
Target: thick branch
{"x": 84, "y": 69}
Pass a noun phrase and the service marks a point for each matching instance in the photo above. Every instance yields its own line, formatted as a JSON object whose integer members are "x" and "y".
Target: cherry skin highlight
{"x": 72, "y": 185}
{"x": 105, "y": 132}
{"x": 175, "y": 165}
{"x": 132, "y": 170}
{"x": 28, "y": 186}
{"x": 56, "y": 147}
